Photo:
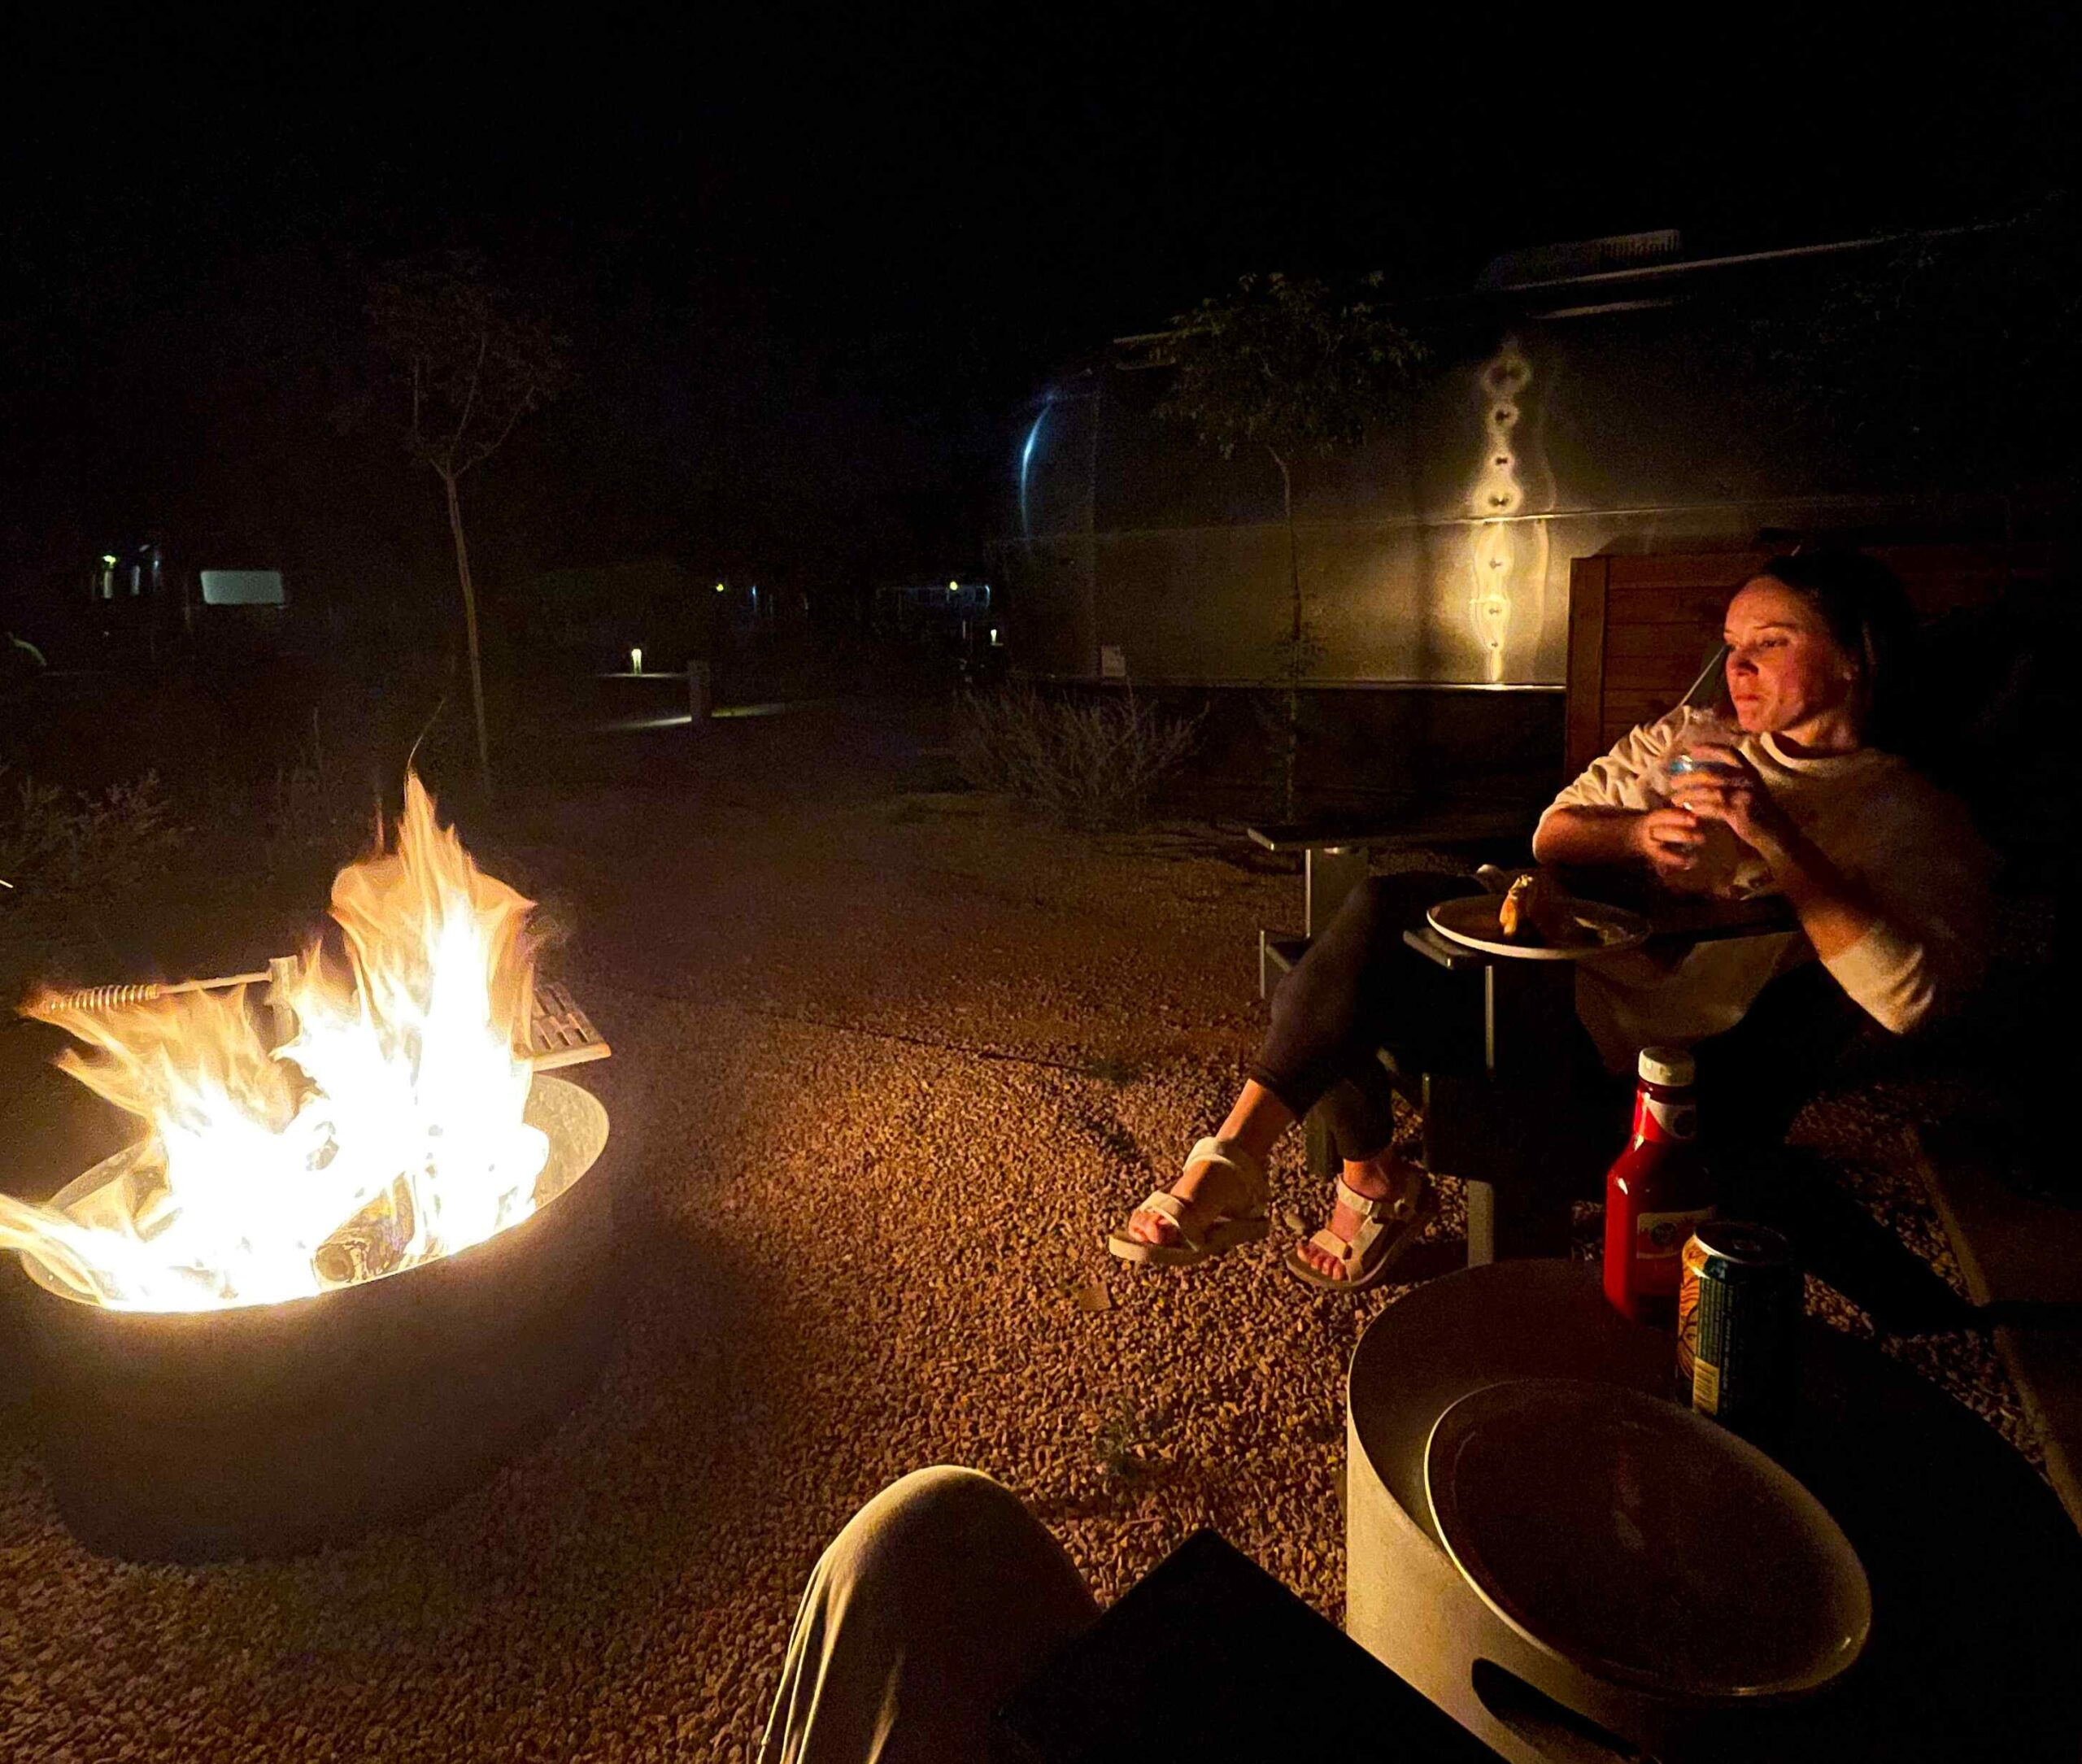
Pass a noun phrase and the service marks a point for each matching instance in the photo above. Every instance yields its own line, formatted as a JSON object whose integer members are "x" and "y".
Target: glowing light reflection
{"x": 1025, "y": 460}
{"x": 1496, "y": 496}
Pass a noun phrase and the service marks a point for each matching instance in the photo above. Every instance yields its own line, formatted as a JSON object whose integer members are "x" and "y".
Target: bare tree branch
{"x": 497, "y": 441}
{"x": 1292, "y": 366}
{"x": 473, "y": 354}
{"x": 470, "y": 398}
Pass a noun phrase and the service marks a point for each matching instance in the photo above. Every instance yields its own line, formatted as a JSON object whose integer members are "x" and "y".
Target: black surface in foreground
{"x": 1210, "y": 1656}
{"x": 1970, "y": 1560}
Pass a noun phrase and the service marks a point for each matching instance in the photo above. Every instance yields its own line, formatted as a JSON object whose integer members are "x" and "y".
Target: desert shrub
{"x": 56, "y": 843}
{"x": 1125, "y": 1445}
{"x": 1092, "y": 764}
{"x": 312, "y": 822}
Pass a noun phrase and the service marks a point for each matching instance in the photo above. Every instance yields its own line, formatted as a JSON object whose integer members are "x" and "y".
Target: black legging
{"x": 1360, "y": 987}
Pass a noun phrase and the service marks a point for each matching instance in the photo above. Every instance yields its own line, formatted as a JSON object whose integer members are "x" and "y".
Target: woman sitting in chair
{"x": 1806, "y": 794}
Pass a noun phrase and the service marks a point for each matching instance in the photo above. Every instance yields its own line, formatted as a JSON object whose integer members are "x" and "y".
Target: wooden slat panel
{"x": 1640, "y": 675}
{"x": 1634, "y": 641}
{"x": 1583, "y": 707}
{"x": 1645, "y": 603}
{"x": 1629, "y": 708}
{"x": 1638, "y": 706}
{"x": 1725, "y": 570}
{"x": 561, "y": 1033}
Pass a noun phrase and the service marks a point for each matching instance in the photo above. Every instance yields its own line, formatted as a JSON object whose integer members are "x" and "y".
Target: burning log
{"x": 375, "y": 1242}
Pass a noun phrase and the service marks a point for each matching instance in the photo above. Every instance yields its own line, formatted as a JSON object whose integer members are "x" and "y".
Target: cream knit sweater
{"x": 1912, "y": 848}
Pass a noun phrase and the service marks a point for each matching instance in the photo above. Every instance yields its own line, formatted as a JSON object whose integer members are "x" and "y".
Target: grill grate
{"x": 562, "y": 1033}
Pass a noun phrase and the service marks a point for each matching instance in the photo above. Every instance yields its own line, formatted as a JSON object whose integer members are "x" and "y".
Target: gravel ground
{"x": 888, "y": 1065}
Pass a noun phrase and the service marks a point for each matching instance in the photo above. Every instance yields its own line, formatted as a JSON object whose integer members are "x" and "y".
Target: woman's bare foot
{"x": 1384, "y": 1178}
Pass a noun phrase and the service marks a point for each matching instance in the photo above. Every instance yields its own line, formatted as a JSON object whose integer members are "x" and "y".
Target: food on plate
{"x": 1512, "y": 913}
{"x": 1540, "y": 914}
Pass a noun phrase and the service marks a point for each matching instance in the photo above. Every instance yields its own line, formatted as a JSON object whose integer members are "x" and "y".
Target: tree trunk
{"x": 1291, "y": 754}
{"x": 470, "y": 633}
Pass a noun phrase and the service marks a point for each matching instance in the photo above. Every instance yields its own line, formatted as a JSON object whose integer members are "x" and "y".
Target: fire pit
{"x": 356, "y": 1261}
{"x": 263, "y": 1430}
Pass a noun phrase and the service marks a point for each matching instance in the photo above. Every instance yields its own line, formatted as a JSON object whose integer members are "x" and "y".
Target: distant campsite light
{"x": 720, "y": 589}
{"x": 636, "y": 661}
{"x": 954, "y": 587}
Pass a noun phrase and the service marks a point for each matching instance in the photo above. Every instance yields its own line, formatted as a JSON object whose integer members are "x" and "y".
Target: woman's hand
{"x": 1668, "y": 841}
{"x": 1728, "y": 789}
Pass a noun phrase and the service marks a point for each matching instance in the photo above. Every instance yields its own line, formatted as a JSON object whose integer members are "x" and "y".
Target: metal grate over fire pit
{"x": 264, "y": 1430}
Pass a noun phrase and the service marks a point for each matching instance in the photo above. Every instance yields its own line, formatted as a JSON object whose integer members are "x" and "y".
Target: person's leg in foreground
{"x": 936, "y": 1601}
{"x": 1357, "y": 988}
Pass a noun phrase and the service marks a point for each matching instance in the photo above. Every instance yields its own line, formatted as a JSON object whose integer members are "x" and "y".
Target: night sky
{"x": 811, "y": 266}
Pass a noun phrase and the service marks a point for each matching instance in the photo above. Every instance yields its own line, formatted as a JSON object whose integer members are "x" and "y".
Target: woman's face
{"x": 1785, "y": 672}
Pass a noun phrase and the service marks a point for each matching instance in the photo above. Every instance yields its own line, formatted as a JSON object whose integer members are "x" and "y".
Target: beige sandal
{"x": 1387, "y": 1228}
{"x": 1202, "y": 1231}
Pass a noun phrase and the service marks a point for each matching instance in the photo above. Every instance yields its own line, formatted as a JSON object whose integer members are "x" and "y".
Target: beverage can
{"x": 1738, "y": 1307}
{"x": 1689, "y": 1265}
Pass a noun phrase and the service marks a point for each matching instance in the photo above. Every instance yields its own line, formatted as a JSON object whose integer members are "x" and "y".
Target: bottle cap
{"x": 1667, "y": 1065}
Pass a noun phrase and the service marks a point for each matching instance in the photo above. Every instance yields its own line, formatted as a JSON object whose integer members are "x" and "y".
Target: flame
{"x": 385, "y": 1132}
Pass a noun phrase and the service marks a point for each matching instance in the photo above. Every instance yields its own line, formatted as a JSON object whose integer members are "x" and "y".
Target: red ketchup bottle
{"x": 1656, "y": 1193}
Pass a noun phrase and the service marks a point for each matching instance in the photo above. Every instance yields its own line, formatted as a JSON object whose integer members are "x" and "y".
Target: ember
{"x": 387, "y": 1132}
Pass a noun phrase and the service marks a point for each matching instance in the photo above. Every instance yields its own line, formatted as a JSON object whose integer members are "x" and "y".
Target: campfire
{"x": 387, "y": 1130}
{"x": 353, "y": 1264}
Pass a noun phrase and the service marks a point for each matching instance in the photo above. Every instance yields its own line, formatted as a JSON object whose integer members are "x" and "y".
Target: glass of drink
{"x": 1720, "y": 853}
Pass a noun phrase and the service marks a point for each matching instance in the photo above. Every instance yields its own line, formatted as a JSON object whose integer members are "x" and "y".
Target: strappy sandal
{"x": 1202, "y": 1231}
{"x": 1387, "y": 1228}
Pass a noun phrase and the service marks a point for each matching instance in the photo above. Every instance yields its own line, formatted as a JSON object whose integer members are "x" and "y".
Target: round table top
{"x": 1484, "y": 1325}
{"x": 1643, "y": 1543}
{"x": 1971, "y": 1560}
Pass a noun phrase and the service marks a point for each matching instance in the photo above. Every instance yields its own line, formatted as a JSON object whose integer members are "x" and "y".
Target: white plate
{"x": 1643, "y": 1543}
{"x": 1473, "y": 921}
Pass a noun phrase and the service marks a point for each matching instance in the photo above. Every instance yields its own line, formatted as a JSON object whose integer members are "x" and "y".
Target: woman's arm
{"x": 1609, "y": 814}
{"x": 1833, "y": 910}
{"x": 1667, "y": 840}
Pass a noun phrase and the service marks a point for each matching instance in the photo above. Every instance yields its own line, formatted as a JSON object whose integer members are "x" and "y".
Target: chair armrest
{"x": 1455, "y": 958}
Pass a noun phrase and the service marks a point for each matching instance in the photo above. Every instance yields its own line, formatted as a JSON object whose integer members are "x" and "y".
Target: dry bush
{"x": 56, "y": 843}
{"x": 312, "y": 821}
{"x": 1093, "y": 764}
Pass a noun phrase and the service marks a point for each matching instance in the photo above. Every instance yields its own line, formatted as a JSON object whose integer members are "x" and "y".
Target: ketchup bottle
{"x": 1656, "y": 1193}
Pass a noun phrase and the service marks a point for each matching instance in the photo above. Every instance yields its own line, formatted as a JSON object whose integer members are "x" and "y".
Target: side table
{"x": 1977, "y": 1634}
